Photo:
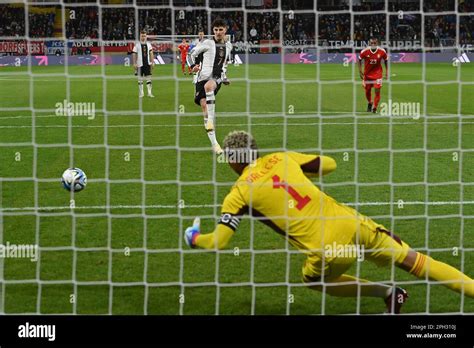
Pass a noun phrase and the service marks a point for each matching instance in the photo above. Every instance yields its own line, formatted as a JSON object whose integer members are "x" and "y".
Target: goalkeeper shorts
{"x": 372, "y": 242}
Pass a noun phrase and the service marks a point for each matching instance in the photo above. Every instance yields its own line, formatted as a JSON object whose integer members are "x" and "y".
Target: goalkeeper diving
{"x": 276, "y": 190}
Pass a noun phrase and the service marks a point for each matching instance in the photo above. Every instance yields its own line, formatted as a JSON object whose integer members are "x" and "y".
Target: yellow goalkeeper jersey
{"x": 276, "y": 190}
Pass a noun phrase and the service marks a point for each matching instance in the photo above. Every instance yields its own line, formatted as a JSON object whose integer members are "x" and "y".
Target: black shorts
{"x": 144, "y": 71}
{"x": 201, "y": 93}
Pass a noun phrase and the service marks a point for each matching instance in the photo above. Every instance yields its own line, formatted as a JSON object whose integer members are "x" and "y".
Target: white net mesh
{"x": 117, "y": 247}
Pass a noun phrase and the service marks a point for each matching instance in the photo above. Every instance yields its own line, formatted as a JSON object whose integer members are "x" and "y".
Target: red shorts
{"x": 368, "y": 83}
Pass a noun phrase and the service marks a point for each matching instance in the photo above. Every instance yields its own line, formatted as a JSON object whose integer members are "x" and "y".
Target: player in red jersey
{"x": 183, "y": 49}
{"x": 373, "y": 72}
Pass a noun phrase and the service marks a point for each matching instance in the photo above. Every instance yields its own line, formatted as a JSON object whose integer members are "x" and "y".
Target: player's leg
{"x": 211, "y": 134}
{"x": 376, "y": 98}
{"x": 336, "y": 283}
{"x": 183, "y": 62}
{"x": 140, "y": 83}
{"x": 386, "y": 248}
{"x": 209, "y": 87}
{"x": 200, "y": 99}
{"x": 204, "y": 111}
{"x": 149, "y": 85}
{"x": 423, "y": 266}
{"x": 368, "y": 95}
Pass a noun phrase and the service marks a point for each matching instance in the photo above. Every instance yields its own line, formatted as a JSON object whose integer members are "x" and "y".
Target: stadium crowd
{"x": 12, "y": 21}
{"x": 41, "y": 25}
{"x": 84, "y": 25}
{"x": 440, "y": 30}
{"x": 119, "y": 23}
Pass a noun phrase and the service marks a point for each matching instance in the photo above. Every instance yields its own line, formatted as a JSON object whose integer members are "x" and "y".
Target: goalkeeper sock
{"x": 148, "y": 86}
{"x": 368, "y": 93}
{"x": 367, "y": 288}
{"x": 376, "y": 99}
{"x": 442, "y": 272}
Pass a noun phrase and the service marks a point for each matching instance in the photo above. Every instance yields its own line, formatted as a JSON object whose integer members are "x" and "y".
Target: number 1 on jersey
{"x": 302, "y": 201}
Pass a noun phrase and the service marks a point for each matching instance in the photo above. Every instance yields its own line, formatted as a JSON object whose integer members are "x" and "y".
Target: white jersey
{"x": 139, "y": 51}
{"x": 213, "y": 58}
{"x": 197, "y": 42}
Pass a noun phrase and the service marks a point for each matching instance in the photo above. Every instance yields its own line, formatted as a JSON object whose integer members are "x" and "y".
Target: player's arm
{"x": 215, "y": 240}
{"x": 225, "y": 80}
{"x": 134, "y": 56}
{"x": 385, "y": 60}
{"x": 196, "y": 51}
{"x": 314, "y": 165}
{"x": 232, "y": 209}
{"x": 198, "y": 59}
{"x": 359, "y": 64}
{"x": 152, "y": 57}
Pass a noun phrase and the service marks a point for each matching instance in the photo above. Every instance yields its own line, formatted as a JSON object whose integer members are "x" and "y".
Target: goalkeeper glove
{"x": 192, "y": 233}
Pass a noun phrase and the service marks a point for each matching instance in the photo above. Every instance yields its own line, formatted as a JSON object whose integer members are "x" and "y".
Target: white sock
{"x": 210, "y": 134}
{"x": 211, "y": 106}
{"x": 212, "y": 137}
{"x": 140, "y": 87}
{"x": 148, "y": 86}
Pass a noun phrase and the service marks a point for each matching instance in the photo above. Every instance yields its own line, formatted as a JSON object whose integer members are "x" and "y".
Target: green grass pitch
{"x": 83, "y": 249}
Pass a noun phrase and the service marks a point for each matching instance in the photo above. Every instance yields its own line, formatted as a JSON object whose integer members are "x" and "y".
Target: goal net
{"x": 69, "y": 98}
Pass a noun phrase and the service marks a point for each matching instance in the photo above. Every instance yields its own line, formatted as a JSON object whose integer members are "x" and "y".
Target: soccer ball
{"x": 74, "y": 179}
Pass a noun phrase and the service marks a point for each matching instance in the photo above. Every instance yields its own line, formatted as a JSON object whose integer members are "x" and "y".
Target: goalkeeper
{"x": 276, "y": 190}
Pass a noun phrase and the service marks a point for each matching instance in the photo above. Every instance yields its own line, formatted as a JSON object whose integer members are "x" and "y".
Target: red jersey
{"x": 373, "y": 62}
{"x": 183, "y": 48}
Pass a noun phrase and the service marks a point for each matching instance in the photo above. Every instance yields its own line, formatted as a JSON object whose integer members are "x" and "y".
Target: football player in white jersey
{"x": 196, "y": 43}
{"x": 143, "y": 63}
{"x": 210, "y": 58}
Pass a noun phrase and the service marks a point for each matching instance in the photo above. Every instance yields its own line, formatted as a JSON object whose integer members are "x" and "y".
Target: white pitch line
{"x": 189, "y": 206}
{"x": 244, "y": 114}
{"x": 237, "y": 125}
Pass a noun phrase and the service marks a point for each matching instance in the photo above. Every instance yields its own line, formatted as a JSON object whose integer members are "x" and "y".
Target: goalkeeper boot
{"x": 395, "y": 300}
{"x": 369, "y": 107}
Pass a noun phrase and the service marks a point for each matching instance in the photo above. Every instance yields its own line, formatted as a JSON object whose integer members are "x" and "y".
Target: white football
{"x": 74, "y": 179}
